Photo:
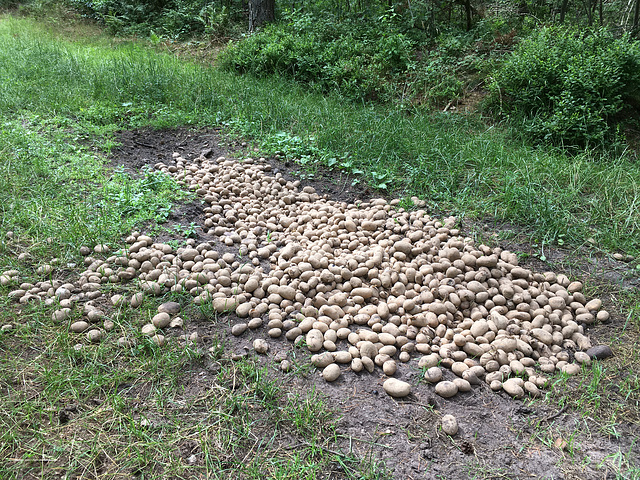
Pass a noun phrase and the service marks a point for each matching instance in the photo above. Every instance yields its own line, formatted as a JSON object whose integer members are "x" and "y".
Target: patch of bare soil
{"x": 499, "y": 437}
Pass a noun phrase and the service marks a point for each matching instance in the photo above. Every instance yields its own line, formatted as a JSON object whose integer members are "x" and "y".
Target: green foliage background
{"x": 568, "y": 87}
{"x": 564, "y": 74}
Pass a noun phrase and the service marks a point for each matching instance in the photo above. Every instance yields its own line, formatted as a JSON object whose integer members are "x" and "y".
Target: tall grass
{"x": 457, "y": 163}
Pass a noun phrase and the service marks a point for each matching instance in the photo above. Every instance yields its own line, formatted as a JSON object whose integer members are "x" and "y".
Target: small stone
{"x": 560, "y": 444}
{"x": 260, "y": 346}
{"x": 599, "y": 352}
{"x": 449, "y": 425}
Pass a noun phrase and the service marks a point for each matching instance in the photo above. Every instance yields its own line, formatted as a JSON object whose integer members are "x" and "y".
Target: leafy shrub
{"x": 6, "y": 4}
{"x": 435, "y": 81}
{"x": 357, "y": 59}
{"x": 173, "y": 18}
{"x": 568, "y": 88}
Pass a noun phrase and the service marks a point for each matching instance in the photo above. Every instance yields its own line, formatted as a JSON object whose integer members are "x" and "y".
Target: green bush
{"x": 568, "y": 88}
{"x": 359, "y": 60}
{"x": 435, "y": 81}
{"x": 173, "y": 18}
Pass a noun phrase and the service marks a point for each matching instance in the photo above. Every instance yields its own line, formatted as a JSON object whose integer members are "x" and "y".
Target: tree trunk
{"x": 636, "y": 19}
{"x": 563, "y": 10}
{"x": 467, "y": 11}
{"x": 261, "y": 12}
{"x": 601, "y": 13}
{"x": 588, "y": 7}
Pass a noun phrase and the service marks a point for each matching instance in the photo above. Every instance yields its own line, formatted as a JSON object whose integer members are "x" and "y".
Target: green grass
{"x": 49, "y": 181}
{"x": 106, "y": 412}
{"x": 457, "y": 163}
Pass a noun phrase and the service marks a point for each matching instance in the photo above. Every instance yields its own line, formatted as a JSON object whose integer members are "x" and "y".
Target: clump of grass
{"x": 56, "y": 195}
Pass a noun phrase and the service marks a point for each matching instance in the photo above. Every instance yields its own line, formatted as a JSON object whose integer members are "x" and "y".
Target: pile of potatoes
{"x": 360, "y": 285}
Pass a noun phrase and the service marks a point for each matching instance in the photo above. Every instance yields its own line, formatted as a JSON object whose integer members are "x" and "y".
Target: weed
{"x": 567, "y": 88}
{"x": 187, "y": 231}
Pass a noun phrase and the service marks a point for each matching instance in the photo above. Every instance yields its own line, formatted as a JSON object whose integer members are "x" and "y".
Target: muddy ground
{"x": 499, "y": 437}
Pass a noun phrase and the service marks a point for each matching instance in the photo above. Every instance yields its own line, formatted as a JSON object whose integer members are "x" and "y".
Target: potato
{"x": 311, "y": 268}
{"x": 446, "y": 389}
{"x": 331, "y": 372}
{"x": 396, "y": 388}
{"x": 449, "y": 425}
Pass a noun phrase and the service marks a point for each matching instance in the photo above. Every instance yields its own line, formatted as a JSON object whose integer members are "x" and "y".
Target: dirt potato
{"x": 446, "y": 389}
{"x": 365, "y": 285}
{"x": 449, "y": 425}
{"x": 396, "y": 388}
{"x": 331, "y": 372}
